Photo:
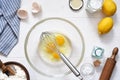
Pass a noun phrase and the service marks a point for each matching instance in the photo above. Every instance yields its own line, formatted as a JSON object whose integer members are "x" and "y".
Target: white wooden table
{"x": 87, "y": 24}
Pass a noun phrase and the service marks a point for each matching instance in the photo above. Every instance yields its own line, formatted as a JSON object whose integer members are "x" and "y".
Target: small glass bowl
{"x": 87, "y": 71}
{"x": 94, "y": 5}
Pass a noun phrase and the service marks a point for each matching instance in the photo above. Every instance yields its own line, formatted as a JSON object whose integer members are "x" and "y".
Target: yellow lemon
{"x": 105, "y": 25}
{"x": 60, "y": 40}
{"x": 109, "y": 7}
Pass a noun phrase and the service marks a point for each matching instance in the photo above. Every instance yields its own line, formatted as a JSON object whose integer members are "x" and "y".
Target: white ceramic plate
{"x": 62, "y": 26}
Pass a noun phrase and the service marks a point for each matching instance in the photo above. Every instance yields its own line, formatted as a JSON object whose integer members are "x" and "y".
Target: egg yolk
{"x": 60, "y": 40}
{"x": 50, "y": 47}
{"x": 55, "y": 55}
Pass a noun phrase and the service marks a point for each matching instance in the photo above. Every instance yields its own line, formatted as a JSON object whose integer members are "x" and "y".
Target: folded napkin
{"x": 9, "y": 25}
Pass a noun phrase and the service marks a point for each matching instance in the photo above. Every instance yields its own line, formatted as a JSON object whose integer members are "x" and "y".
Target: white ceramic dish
{"x": 59, "y": 25}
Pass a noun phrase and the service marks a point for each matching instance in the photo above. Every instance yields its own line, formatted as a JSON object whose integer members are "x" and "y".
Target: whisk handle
{"x": 70, "y": 65}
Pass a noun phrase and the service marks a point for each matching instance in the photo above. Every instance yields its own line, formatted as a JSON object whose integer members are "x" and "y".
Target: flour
{"x": 19, "y": 75}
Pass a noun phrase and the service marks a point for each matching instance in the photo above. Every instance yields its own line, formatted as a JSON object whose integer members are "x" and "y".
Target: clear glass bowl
{"x": 87, "y": 71}
{"x": 94, "y": 5}
{"x": 59, "y": 25}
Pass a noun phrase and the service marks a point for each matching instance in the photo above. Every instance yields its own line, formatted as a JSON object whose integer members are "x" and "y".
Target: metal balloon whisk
{"x": 49, "y": 37}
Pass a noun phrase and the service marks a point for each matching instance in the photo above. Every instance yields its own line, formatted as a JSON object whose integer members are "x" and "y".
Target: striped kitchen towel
{"x": 9, "y": 25}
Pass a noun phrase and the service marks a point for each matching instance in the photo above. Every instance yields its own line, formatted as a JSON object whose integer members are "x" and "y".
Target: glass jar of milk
{"x": 94, "y": 5}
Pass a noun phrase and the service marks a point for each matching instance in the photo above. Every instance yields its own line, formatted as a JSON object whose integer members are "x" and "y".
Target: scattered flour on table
{"x": 20, "y": 75}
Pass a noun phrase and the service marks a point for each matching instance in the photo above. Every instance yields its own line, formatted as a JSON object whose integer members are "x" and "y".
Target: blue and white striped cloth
{"x": 9, "y": 25}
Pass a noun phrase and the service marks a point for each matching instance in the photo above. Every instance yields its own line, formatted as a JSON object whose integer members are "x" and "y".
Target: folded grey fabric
{"x": 9, "y": 25}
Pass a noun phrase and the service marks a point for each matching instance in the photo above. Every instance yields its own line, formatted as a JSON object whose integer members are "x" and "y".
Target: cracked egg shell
{"x": 22, "y": 14}
{"x": 36, "y": 8}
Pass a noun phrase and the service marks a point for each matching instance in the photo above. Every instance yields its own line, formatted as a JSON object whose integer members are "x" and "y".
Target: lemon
{"x": 105, "y": 25}
{"x": 109, "y": 7}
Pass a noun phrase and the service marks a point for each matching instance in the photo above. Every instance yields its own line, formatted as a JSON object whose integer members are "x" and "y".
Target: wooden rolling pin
{"x": 109, "y": 66}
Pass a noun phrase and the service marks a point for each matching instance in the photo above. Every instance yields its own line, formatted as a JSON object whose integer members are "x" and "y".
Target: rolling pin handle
{"x": 114, "y": 53}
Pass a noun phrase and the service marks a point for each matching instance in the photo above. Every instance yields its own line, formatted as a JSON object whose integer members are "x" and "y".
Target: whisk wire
{"x": 49, "y": 41}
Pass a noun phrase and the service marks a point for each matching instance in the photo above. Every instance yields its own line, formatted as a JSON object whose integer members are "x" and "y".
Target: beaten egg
{"x": 49, "y": 55}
